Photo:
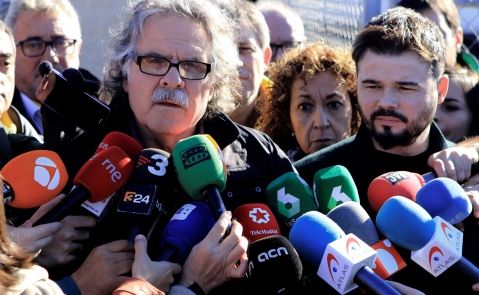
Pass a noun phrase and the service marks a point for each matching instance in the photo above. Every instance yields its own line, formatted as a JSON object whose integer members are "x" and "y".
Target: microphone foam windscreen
{"x": 445, "y": 198}
{"x": 398, "y": 183}
{"x": 35, "y": 178}
{"x": 257, "y": 220}
{"x": 188, "y": 226}
{"x": 333, "y": 186}
{"x": 405, "y": 223}
{"x": 199, "y": 164}
{"x": 104, "y": 173}
{"x": 274, "y": 264}
{"x": 311, "y": 233}
{"x": 127, "y": 143}
{"x": 352, "y": 218}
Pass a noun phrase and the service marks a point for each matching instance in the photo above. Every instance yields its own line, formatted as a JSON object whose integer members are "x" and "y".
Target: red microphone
{"x": 258, "y": 221}
{"x": 127, "y": 143}
{"x": 397, "y": 183}
{"x": 101, "y": 176}
{"x": 33, "y": 178}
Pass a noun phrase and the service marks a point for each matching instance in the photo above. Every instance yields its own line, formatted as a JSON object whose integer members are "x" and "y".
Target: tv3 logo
{"x": 157, "y": 164}
{"x": 136, "y": 198}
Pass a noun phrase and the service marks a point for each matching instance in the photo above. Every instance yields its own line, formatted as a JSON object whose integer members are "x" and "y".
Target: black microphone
{"x": 139, "y": 196}
{"x": 274, "y": 265}
{"x": 78, "y": 102}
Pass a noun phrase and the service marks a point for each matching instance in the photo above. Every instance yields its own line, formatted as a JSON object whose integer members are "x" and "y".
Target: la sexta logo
{"x": 46, "y": 173}
{"x": 259, "y": 216}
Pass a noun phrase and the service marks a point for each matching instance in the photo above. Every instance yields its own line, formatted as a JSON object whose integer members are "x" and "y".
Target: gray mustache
{"x": 175, "y": 96}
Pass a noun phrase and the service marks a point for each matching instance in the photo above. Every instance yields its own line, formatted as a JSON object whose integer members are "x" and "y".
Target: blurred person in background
{"x": 286, "y": 29}
{"x": 313, "y": 102}
{"x": 457, "y": 116}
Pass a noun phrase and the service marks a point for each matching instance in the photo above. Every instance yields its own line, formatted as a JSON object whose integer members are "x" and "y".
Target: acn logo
{"x": 272, "y": 253}
{"x": 46, "y": 173}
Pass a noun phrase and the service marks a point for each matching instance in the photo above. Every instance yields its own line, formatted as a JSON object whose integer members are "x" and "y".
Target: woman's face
{"x": 320, "y": 111}
{"x": 453, "y": 116}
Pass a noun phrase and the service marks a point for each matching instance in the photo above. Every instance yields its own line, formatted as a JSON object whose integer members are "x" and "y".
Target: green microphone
{"x": 200, "y": 169}
{"x": 333, "y": 186}
{"x": 290, "y": 197}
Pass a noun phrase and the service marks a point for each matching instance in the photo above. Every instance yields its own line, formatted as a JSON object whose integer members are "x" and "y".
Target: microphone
{"x": 352, "y": 218}
{"x": 139, "y": 194}
{"x": 342, "y": 259}
{"x": 397, "y": 183}
{"x": 188, "y": 226}
{"x": 333, "y": 186}
{"x": 33, "y": 178}
{"x": 273, "y": 266}
{"x": 127, "y": 143}
{"x": 257, "y": 220}
{"x": 436, "y": 244}
{"x": 289, "y": 197}
{"x": 98, "y": 178}
{"x": 444, "y": 197}
{"x": 78, "y": 103}
{"x": 201, "y": 171}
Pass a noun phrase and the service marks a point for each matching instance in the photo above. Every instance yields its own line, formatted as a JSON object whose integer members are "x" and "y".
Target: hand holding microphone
{"x": 455, "y": 162}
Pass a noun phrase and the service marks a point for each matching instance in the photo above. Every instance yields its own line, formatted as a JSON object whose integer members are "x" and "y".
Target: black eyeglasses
{"x": 36, "y": 47}
{"x": 159, "y": 66}
{"x": 286, "y": 45}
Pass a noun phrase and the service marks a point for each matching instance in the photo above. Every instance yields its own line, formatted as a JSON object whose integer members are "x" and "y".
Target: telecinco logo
{"x": 195, "y": 155}
{"x": 259, "y": 215}
{"x": 46, "y": 173}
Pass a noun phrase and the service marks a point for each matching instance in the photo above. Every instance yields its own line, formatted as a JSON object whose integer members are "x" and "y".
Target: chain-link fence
{"x": 337, "y": 21}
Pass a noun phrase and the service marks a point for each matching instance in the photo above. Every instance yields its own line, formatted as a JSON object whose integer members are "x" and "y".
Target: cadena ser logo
{"x": 46, "y": 173}
{"x": 195, "y": 155}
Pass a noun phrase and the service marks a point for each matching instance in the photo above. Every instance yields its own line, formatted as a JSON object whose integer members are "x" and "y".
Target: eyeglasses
{"x": 283, "y": 46}
{"x": 159, "y": 66}
{"x": 36, "y": 47}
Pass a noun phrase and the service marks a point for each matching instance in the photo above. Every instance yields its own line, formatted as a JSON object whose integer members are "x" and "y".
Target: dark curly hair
{"x": 303, "y": 63}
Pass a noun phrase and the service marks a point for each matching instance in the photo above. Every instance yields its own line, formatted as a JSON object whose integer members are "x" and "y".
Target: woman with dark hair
{"x": 457, "y": 115}
{"x": 312, "y": 103}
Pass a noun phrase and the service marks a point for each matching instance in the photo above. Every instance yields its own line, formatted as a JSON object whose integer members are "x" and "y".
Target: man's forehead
{"x": 6, "y": 44}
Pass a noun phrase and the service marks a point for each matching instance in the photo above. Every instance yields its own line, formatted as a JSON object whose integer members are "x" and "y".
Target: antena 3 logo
{"x": 195, "y": 155}
{"x": 46, "y": 173}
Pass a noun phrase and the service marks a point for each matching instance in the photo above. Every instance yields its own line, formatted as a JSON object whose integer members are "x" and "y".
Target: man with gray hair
{"x": 43, "y": 31}
{"x": 173, "y": 74}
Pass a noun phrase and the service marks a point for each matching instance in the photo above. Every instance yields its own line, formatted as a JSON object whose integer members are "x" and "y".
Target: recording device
{"x": 33, "y": 178}
{"x": 289, "y": 196}
{"x": 188, "y": 226}
{"x": 139, "y": 196}
{"x": 352, "y": 218}
{"x": 343, "y": 259}
{"x": 435, "y": 244}
{"x": 444, "y": 197}
{"x": 201, "y": 171}
{"x": 273, "y": 266}
{"x": 99, "y": 177}
{"x": 333, "y": 186}
{"x": 257, "y": 220}
{"x": 69, "y": 100}
{"x": 397, "y": 183}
